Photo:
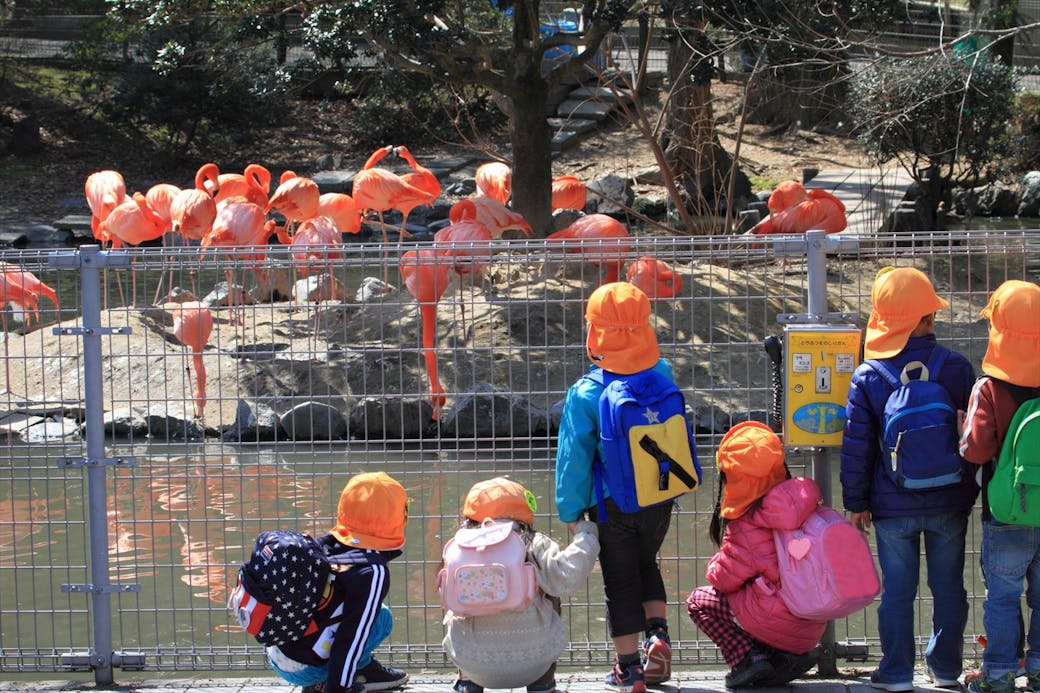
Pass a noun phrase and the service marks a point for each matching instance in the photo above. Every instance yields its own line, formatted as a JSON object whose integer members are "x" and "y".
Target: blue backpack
{"x": 649, "y": 456}
{"x": 919, "y": 440}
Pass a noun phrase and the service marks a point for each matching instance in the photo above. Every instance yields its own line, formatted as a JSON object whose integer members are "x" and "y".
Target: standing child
{"x": 620, "y": 340}
{"x": 519, "y": 648}
{"x": 884, "y": 488}
{"x": 335, "y": 655}
{"x": 741, "y": 610}
{"x": 1010, "y": 552}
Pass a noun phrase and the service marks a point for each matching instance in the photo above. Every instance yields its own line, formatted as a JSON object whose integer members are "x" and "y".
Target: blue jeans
{"x": 1010, "y": 559}
{"x": 899, "y": 553}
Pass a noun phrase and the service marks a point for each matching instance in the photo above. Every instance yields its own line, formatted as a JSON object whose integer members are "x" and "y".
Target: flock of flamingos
{"x": 235, "y": 211}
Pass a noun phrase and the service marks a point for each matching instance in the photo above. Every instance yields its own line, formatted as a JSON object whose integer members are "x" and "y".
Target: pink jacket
{"x": 745, "y": 568}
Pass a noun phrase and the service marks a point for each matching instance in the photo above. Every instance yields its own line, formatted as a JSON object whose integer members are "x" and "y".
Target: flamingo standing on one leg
{"x": 192, "y": 326}
{"x": 427, "y": 274}
{"x": 568, "y": 193}
{"x": 239, "y": 224}
{"x": 495, "y": 180}
{"x": 21, "y": 289}
{"x": 654, "y": 277}
{"x": 602, "y": 242}
{"x": 491, "y": 213}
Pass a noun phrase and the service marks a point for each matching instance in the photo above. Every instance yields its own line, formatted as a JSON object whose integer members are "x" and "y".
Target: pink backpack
{"x": 486, "y": 571}
{"x": 826, "y": 568}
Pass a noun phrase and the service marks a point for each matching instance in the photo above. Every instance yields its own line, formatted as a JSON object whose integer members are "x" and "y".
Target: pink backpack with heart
{"x": 826, "y": 568}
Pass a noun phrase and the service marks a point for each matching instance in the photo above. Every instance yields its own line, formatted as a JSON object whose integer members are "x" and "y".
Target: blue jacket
{"x": 577, "y": 445}
{"x": 864, "y": 483}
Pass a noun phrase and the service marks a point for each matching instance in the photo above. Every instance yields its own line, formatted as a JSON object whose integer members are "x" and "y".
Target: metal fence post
{"x": 90, "y": 260}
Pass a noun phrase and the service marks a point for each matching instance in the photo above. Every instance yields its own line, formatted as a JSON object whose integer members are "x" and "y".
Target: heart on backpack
{"x": 798, "y": 548}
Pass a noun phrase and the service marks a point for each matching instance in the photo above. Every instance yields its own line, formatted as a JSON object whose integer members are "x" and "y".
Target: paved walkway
{"x": 572, "y": 682}
{"x": 869, "y": 194}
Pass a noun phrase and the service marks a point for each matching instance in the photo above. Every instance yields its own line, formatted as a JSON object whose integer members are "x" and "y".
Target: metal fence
{"x": 120, "y": 508}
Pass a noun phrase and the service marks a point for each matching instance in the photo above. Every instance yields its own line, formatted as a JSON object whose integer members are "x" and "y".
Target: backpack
{"x": 826, "y": 568}
{"x": 281, "y": 584}
{"x": 1014, "y": 490}
{"x": 648, "y": 453}
{"x": 920, "y": 436}
{"x": 486, "y": 571}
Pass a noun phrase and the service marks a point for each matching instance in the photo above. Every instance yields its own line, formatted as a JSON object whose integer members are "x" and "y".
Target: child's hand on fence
{"x": 861, "y": 520}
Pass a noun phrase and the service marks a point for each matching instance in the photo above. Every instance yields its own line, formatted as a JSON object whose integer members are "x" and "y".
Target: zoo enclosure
{"x": 179, "y": 501}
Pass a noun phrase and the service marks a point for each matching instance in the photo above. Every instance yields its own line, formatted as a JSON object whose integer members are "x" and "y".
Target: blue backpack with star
{"x": 648, "y": 453}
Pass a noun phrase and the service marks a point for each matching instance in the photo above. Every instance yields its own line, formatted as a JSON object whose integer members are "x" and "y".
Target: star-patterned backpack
{"x": 281, "y": 585}
{"x": 648, "y": 452}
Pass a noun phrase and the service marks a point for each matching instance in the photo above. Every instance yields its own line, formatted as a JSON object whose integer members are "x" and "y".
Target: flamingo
{"x": 427, "y": 274}
{"x": 313, "y": 243}
{"x": 254, "y": 183}
{"x": 192, "y": 213}
{"x": 601, "y": 243}
{"x": 379, "y": 190}
{"x": 568, "y": 193}
{"x": 160, "y": 198}
{"x": 192, "y": 326}
{"x": 822, "y": 211}
{"x": 787, "y": 194}
{"x": 296, "y": 198}
{"x": 21, "y": 290}
{"x": 131, "y": 223}
{"x": 490, "y": 212}
{"x": 654, "y": 277}
{"x": 341, "y": 209}
{"x": 495, "y": 180}
{"x": 240, "y": 224}
{"x": 105, "y": 190}
{"x": 421, "y": 177}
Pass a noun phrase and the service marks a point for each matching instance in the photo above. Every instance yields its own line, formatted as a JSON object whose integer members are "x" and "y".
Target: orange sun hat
{"x": 900, "y": 298}
{"x": 752, "y": 458}
{"x": 372, "y": 512}
{"x": 500, "y": 499}
{"x": 620, "y": 338}
{"x": 1013, "y": 352}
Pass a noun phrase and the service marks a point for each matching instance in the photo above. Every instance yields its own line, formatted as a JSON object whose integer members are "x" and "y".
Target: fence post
{"x": 90, "y": 260}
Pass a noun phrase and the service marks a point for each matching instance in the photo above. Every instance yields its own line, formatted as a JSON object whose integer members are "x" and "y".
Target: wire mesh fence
{"x": 317, "y": 369}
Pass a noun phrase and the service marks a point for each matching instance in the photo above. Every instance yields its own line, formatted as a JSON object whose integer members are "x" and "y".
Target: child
{"x": 509, "y": 650}
{"x": 741, "y": 611}
{"x": 352, "y": 621}
{"x": 1010, "y": 553}
{"x": 901, "y": 335}
{"x": 620, "y": 340}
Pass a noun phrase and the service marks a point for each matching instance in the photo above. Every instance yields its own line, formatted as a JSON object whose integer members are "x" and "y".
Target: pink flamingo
{"x": 379, "y": 190}
{"x": 787, "y": 194}
{"x": 426, "y": 274}
{"x": 160, "y": 198}
{"x": 20, "y": 289}
{"x": 192, "y": 213}
{"x": 491, "y": 213}
{"x": 192, "y": 326}
{"x": 132, "y": 223}
{"x": 495, "y": 180}
{"x": 654, "y": 277}
{"x": 419, "y": 177}
{"x": 601, "y": 242}
{"x": 568, "y": 193}
{"x": 105, "y": 190}
{"x": 239, "y": 224}
{"x": 296, "y": 198}
{"x": 822, "y": 211}
{"x": 467, "y": 243}
{"x": 254, "y": 183}
{"x": 341, "y": 209}
{"x": 314, "y": 243}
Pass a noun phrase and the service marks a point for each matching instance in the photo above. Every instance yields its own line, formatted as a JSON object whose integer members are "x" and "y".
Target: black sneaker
{"x": 466, "y": 686}
{"x": 788, "y": 666}
{"x": 377, "y": 677}
{"x": 751, "y": 671}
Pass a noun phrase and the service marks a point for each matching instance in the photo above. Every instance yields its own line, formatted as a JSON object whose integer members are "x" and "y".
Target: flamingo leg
{"x": 200, "y": 385}
{"x": 428, "y": 314}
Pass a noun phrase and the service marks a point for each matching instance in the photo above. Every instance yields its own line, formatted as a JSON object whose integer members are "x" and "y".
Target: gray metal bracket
{"x": 91, "y": 331}
{"x": 852, "y": 651}
{"x": 121, "y": 461}
{"x": 100, "y": 589}
{"x": 87, "y": 660}
{"x": 812, "y": 319}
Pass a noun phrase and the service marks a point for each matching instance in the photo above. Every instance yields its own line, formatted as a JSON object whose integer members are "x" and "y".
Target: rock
{"x": 1029, "y": 195}
{"x": 255, "y": 421}
{"x": 610, "y": 194}
{"x": 50, "y": 431}
{"x": 25, "y": 138}
{"x": 313, "y": 421}
{"x": 409, "y": 418}
{"x": 487, "y": 413}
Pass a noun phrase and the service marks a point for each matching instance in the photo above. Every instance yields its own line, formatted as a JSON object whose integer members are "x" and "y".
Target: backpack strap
{"x": 930, "y": 371}
{"x": 885, "y": 371}
{"x": 936, "y": 361}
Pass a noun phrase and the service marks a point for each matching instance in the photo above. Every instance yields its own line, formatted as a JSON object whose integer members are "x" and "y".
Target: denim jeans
{"x": 899, "y": 553}
{"x": 1010, "y": 557}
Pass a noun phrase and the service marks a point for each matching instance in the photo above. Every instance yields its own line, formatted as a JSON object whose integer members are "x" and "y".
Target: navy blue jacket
{"x": 864, "y": 483}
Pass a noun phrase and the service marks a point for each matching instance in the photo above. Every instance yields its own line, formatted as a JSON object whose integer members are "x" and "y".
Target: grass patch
{"x": 760, "y": 183}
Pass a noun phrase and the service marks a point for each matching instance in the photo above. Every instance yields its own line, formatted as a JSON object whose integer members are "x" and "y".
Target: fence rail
{"x": 181, "y": 498}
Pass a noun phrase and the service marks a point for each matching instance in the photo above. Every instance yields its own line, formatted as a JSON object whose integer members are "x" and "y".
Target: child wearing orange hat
{"x": 741, "y": 610}
{"x": 619, "y": 340}
{"x": 351, "y": 618}
{"x": 515, "y": 649}
{"x": 1010, "y": 553}
{"x": 900, "y": 335}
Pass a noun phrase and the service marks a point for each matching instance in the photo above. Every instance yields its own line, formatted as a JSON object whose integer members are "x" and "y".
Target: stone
{"x": 490, "y": 413}
{"x": 255, "y": 421}
{"x": 314, "y": 421}
{"x": 610, "y": 194}
{"x": 375, "y": 418}
{"x": 1029, "y": 195}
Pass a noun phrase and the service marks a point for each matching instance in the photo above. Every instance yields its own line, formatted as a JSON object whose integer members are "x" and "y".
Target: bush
{"x": 939, "y": 111}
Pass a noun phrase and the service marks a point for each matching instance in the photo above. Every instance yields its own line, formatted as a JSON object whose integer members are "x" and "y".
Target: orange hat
{"x": 500, "y": 498}
{"x": 752, "y": 458}
{"x": 373, "y": 509}
{"x": 620, "y": 339}
{"x": 900, "y": 298}
{"x": 1013, "y": 353}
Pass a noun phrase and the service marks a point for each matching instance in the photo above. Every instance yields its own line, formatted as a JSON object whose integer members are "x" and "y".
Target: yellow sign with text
{"x": 818, "y": 365}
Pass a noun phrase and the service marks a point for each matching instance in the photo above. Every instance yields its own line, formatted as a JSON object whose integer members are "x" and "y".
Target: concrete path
{"x": 869, "y": 194}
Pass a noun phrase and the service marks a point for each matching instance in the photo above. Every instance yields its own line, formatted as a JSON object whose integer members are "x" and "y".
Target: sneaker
{"x": 942, "y": 681}
{"x": 629, "y": 679}
{"x": 752, "y": 670}
{"x": 541, "y": 687}
{"x": 788, "y": 666}
{"x": 984, "y": 684}
{"x": 377, "y": 677}
{"x": 900, "y": 687}
{"x": 657, "y": 662}
{"x": 465, "y": 686}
